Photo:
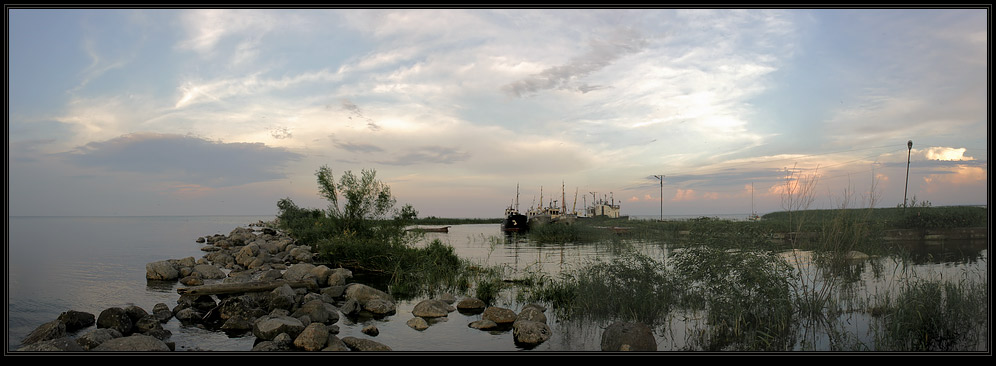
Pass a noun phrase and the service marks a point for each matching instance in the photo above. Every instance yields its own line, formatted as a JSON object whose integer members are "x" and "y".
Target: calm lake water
{"x": 55, "y": 264}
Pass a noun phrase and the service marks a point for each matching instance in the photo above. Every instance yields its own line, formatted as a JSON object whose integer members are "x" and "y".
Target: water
{"x": 88, "y": 264}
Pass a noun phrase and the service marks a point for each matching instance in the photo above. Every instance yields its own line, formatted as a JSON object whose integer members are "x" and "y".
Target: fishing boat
{"x": 514, "y": 220}
{"x": 444, "y": 229}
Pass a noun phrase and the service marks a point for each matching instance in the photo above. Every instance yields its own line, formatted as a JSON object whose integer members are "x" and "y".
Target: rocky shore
{"x": 259, "y": 283}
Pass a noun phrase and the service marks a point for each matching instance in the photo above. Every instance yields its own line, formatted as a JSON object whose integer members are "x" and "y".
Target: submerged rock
{"x": 626, "y": 336}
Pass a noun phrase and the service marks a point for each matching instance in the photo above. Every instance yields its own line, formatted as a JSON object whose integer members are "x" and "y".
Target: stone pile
{"x": 297, "y": 310}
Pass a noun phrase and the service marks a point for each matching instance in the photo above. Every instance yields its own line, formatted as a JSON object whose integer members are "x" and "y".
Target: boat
{"x": 514, "y": 220}
{"x": 444, "y": 229}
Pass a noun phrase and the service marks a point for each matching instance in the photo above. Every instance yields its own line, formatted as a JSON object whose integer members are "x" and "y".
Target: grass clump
{"x": 935, "y": 316}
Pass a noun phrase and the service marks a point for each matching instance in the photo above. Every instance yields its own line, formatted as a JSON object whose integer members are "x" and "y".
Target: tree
{"x": 360, "y": 205}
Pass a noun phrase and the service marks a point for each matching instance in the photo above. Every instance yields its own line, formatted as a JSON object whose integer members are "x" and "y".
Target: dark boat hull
{"x": 515, "y": 223}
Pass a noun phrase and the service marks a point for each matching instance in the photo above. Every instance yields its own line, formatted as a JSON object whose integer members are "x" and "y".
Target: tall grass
{"x": 932, "y": 315}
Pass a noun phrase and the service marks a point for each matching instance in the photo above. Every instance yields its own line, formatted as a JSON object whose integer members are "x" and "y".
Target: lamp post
{"x": 661, "y": 178}
{"x": 909, "y": 147}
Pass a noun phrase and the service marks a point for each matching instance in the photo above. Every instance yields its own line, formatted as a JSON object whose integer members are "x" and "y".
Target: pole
{"x": 909, "y": 147}
{"x": 661, "y": 178}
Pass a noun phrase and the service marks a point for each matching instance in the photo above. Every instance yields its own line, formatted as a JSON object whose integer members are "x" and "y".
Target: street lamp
{"x": 661, "y": 178}
{"x": 909, "y": 147}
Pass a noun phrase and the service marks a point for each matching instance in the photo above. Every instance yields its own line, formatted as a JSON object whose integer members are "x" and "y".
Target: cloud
{"x": 429, "y": 155}
{"x": 187, "y": 159}
{"x": 601, "y": 54}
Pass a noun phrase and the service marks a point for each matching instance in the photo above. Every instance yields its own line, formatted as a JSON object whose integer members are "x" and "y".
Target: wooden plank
{"x": 235, "y": 288}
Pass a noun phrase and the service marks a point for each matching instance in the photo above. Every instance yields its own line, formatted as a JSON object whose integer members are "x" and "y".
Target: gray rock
{"x": 63, "y": 344}
{"x": 531, "y": 314}
{"x": 283, "y": 297}
{"x": 471, "y": 304}
{"x": 268, "y": 327}
{"x": 161, "y": 271}
{"x": 147, "y": 324}
{"x": 207, "y": 271}
{"x": 299, "y": 272}
{"x": 626, "y": 336}
{"x": 499, "y": 315}
{"x": 95, "y": 337}
{"x": 76, "y": 320}
{"x": 431, "y": 309}
{"x": 371, "y": 330}
{"x": 48, "y": 331}
{"x": 236, "y": 324}
{"x": 483, "y": 324}
{"x": 189, "y": 315}
{"x": 335, "y": 344}
{"x": 115, "y": 318}
{"x": 365, "y": 345}
{"x": 319, "y": 311}
{"x": 418, "y": 323}
{"x": 135, "y": 313}
{"x": 380, "y": 307}
{"x": 162, "y": 312}
{"x": 531, "y": 333}
{"x": 314, "y": 337}
{"x": 133, "y": 343}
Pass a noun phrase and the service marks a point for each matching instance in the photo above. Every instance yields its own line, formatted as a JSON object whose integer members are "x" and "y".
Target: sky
{"x": 145, "y": 112}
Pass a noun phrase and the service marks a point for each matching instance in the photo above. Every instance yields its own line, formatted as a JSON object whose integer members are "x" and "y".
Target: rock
{"x": 62, "y": 344}
{"x": 161, "y": 270}
{"x": 76, "y": 320}
{"x": 319, "y": 311}
{"x": 147, "y": 324}
{"x": 628, "y": 336}
{"x": 483, "y": 324}
{"x": 237, "y": 324}
{"x": 380, "y": 307}
{"x": 471, "y": 305}
{"x": 371, "y": 330}
{"x": 371, "y": 299}
{"x": 267, "y": 346}
{"x": 189, "y": 315}
{"x": 283, "y": 297}
{"x": 366, "y": 345}
{"x": 531, "y": 314}
{"x": 268, "y": 327}
{"x": 135, "y": 313}
{"x": 299, "y": 272}
{"x": 241, "y": 236}
{"x": 161, "y": 312}
{"x": 321, "y": 274}
{"x": 418, "y": 323}
{"x": 531, "y": 333}
{"x": 207, "y": 271}
{"x": 95, "y": 337}
{"x": 45, "y": 332}
{"x": 115, "y": 318}
{"x": 335, "y": 344}
{"x": 301, "y": 254}
{"x": 499, "y": 315}
{"x": 339, "y": 276}
{"x": 133, "y": 343}
{"x": 431, "y": 309}
{"x": 314, "y": 337}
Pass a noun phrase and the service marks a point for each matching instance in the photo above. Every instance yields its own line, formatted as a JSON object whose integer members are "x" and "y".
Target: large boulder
{"x": 48, "y": 331}
{"x": 94, "y": 338}
{"x": 161, "y": 271}
{"x": 318, "y": 311}
{"x": 133, "y": 343}
{"x": 471, "y": 305}
{"x": 299, "y": 272}
{"x": 499, "y": 315}
{"x": 76, "y": 320}
{"x": 115, "y": 318}
{"x": 207, "y": 271}
{"x": 626, "y": 336}
{"x": 62, "y": 344}
{"x": 371, "y": 299}
{"x": 268, "y": 327}
{"x": 314, "y": 337}
{"x": 530, "y": 333}
{"x": 431, "y": 309}
{"x": 362, "y": 344}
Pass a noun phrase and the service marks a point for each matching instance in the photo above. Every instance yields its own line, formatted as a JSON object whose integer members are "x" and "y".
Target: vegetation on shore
{"x": 733, "y": 285}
